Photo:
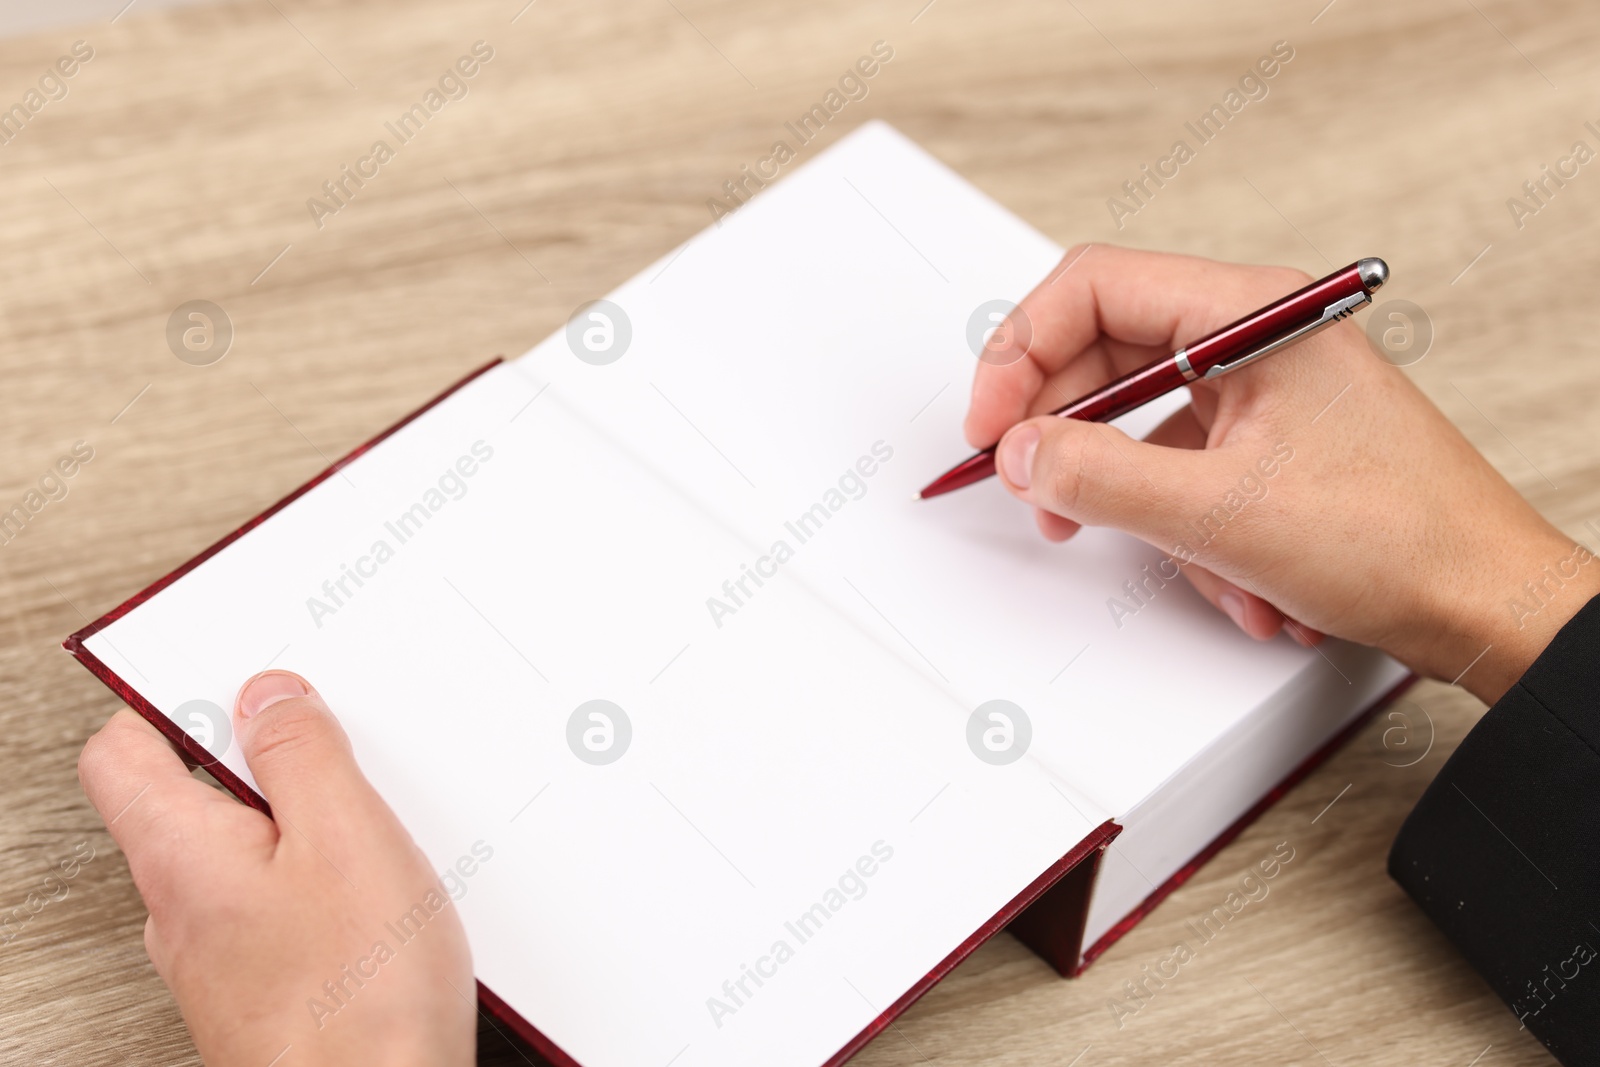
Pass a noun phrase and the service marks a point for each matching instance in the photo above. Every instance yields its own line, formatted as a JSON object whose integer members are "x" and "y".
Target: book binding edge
{"x": 1342, "y": 737}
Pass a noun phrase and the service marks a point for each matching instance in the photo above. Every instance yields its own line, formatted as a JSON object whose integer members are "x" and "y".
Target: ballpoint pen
{"x": 1276, "y": 326}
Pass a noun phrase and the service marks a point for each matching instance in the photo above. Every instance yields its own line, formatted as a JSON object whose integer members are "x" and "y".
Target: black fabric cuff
{"x": 1503, "y": 850}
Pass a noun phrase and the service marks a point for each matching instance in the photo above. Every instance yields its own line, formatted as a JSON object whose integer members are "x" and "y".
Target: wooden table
{"x": 179, "y": 165}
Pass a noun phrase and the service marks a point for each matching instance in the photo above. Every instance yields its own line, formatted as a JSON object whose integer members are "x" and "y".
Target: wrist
{"x": 1487, "y": 637}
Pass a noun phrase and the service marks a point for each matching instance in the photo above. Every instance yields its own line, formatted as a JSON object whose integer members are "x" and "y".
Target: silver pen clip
{"x": 1331, "y": 314}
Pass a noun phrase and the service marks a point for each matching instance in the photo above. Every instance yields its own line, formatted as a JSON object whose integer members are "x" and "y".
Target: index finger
{"x": 1140, "y": 301}
{"x": 145, "y": 794}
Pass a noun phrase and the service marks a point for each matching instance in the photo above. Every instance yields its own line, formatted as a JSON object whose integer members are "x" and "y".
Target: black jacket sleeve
{"x": 1503, "y": 850}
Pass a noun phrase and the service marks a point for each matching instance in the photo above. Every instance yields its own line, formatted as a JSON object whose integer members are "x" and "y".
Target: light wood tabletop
{"x": 176, "y": 162}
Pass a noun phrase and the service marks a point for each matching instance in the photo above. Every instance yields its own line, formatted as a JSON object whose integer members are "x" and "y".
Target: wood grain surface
{"x": 178, "y": 166}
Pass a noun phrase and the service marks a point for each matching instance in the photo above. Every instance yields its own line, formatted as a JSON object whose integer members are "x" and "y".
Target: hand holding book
{"x": 320, "y": 927}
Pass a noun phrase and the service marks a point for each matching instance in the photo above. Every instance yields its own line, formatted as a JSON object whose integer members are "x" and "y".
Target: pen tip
{"x": 916, "y": 496}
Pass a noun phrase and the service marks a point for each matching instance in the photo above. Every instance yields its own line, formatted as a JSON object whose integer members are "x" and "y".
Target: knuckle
{"x": 287, "y": 727}
{"x": 1064, "y": 481}
{"x": 1085, "y": 480}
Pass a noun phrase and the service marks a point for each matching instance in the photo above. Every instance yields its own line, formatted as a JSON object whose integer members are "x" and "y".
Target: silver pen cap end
{"x": 1374, "y": 272}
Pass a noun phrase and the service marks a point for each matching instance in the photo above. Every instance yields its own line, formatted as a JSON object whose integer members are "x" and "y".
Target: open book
{"x": 725, "y": 748}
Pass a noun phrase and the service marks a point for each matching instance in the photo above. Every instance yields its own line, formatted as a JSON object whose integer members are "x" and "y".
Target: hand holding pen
{"x": 1319, "y": 492}
{"x": 1273, "y": 328}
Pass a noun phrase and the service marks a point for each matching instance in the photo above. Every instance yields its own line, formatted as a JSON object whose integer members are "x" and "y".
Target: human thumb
{"x": 1097, "y": 475}
{"x": 300, "y": 755}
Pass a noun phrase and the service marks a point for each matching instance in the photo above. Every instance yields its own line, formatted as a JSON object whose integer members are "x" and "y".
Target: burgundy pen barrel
{"x": 1121, "y": 395}
{"x": 1111, "y": 400}
{"x": 1260, "y": 333}
{"x": 1270, "y": 322}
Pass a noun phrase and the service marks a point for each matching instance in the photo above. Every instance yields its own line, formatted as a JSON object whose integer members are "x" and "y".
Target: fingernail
{"x": 1016, "y": 456}
{"x": 265, "y": 690}
{"x": 1233, "y": 604}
